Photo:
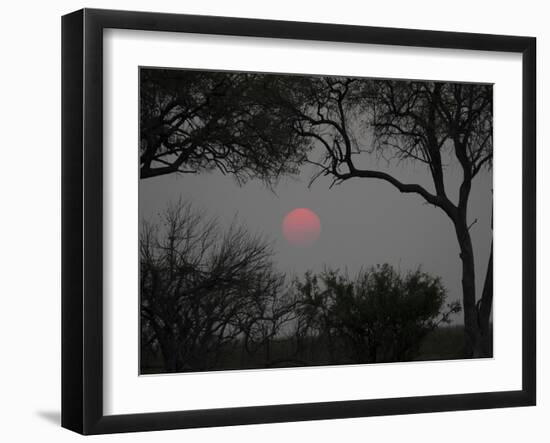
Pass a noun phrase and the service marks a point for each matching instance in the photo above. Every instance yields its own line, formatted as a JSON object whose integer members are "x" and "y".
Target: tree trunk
{"x": 169, "y": 353}
{"x": 472, "y": 331}
{"x": 484, "y": 309}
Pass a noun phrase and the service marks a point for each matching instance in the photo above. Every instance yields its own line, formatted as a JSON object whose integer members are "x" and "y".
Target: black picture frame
{"x": 82, "y": 218}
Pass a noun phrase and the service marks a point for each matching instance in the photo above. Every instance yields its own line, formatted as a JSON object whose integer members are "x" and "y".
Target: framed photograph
{"x": 269, "y": 221}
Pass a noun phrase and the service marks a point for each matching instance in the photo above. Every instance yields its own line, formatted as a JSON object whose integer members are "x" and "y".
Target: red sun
{"x": 301, "y": 227}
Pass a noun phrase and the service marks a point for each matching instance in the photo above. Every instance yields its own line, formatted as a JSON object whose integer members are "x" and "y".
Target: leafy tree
{"x": 379, "y": 316}
{"x": 195, "y": 121}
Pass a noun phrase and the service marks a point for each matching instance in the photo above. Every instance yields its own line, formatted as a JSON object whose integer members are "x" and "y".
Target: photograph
{"x": 290, "y": 220}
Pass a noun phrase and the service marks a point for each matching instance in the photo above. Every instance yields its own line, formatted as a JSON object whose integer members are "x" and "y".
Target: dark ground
{"x": 444, "y": 343}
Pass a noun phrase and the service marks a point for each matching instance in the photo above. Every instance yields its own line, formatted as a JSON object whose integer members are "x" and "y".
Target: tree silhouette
{"x": 380, "y": 316}
{"x": 202, "y": 288}
{"x": 430, "y": 123}
{"x": 193, "y": 121}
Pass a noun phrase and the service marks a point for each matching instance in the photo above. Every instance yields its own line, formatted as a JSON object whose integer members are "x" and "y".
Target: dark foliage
{"x": 193, "y": 121}
{"x": 380, "y": 316}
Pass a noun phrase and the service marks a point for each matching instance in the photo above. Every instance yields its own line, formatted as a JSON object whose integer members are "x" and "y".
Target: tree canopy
{"x": 193, "y": 121}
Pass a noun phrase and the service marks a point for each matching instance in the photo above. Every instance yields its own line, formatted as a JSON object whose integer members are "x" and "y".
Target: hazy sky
{"x": 363, "y": 221}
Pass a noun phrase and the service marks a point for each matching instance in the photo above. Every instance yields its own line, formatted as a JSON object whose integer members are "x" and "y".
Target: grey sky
{"x": 363, "y": 221}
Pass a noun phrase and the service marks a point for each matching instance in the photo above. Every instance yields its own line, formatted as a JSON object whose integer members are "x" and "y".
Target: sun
{"x": 301, "y": 227}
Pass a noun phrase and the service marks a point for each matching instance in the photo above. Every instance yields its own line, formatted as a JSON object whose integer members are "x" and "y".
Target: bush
{"x": 379, "y": 316}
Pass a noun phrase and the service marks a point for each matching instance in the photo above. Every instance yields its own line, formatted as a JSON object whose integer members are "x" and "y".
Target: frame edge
{"x": 529, "y": 147}
{"x": 72, "y": 117}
